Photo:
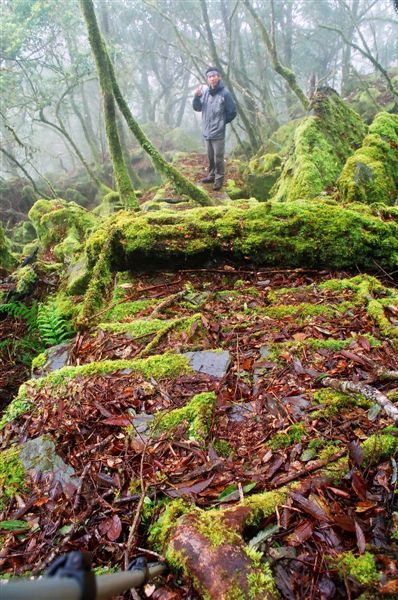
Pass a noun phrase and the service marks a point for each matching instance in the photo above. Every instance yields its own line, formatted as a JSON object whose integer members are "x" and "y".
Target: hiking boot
{"x": 217, "y": 186}
{"x": 208, "y": 179}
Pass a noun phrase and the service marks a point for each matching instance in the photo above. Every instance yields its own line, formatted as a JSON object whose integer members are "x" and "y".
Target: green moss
{"x": 294, "y": 434}
{"x": 25, "y": 279}
{"x": 211, "y": 524}
{"x": 222, "y": 447}
{"x": 70, "y": 245}
{"x": 322, "y": 143}
{"x": 7, "y": 260}
{"x": 128, "y": 309}
{"x": 381, "y": 446}
{"x": 159, "y": 532}
{"x": 264, "y": 505}
{"x": 53, "y": 219}
{"x": 261, "y": 583}
{"x": 371, "y": 174}
{"x": 101, "y": 277}
{"x": 39, "y": 361}
{"x": 233, "y": 191}
{"x": 303, "y": 310}
{"x": 366, "y": 288}
{"x": 362, "y": 568}
{"x": 137, "y": 328}
{"x": 197, "y": 414}
{"x": 333, "y": 402}
{"x": 376, "y": 312}
{"x": 12, "y": 475}
{"x": 20, "y": 405}
{"x": 314, "y": 234}
{"x": 261, "y": 174}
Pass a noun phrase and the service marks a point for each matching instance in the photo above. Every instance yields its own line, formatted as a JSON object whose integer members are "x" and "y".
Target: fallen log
{"x": 369, "y": 392}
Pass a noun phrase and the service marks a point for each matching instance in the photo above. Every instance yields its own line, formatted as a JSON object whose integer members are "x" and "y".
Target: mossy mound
{"x": 62, "y": 225}
{"x": 371, "y": 174}
{"x": 372, "y": 93}
{"x": 262, "y": 174}
{"x": 322, "y": 143}
{"x": 7, "y": 261}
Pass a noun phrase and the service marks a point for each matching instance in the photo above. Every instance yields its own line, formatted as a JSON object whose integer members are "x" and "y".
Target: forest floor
{"x": 272, "y": 420}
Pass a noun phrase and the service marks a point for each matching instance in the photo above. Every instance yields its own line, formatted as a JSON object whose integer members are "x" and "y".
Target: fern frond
{"x": 52, "y": 325}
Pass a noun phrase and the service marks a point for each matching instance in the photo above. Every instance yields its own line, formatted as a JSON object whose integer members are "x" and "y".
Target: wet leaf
{"x": 309, "y": 507}
{"x": 263, "y": 535}
{"x": 356, "y": 453}
{"x": 119, "y": 421}
{"x": 196, "y": 488}
{"x": 360, "y": 538}
{"x": 14, "y": 525}
{"x": 302, "y": 532}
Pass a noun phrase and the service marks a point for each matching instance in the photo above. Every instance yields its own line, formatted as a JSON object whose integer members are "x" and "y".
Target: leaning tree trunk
{"x": 282, "y": 70}
{"x": 123, "y": 183}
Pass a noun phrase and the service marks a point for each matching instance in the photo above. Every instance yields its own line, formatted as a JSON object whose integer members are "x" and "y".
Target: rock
{"x": 240, "y": 412}
{"x": 40, "y": 458}
{"x": 57, "y": 357}
{"x": 77, "y": 276}
{"x": 209, "y": 362}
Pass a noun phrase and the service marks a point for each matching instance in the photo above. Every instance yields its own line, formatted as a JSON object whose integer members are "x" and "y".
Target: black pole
{"x": 61, "y": 586}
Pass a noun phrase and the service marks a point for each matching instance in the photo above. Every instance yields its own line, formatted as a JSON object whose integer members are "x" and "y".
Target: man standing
{"x": 218, "y": 108}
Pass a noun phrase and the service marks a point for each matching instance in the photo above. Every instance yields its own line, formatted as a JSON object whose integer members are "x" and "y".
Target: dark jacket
{"x": 218, "y": 108}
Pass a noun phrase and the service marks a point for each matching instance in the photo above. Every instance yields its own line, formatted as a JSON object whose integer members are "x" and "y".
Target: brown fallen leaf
{"x": 196, "y": 488}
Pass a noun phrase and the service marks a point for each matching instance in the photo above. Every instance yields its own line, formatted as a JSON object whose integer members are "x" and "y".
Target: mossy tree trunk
{"x": 123, "y": 182}
{"x": 159, "y": 162}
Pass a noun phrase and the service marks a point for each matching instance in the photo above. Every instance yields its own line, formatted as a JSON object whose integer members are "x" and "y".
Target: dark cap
{"x": 212, "y": 70}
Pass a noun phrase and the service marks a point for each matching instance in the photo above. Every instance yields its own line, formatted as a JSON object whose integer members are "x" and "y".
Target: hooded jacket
{"x": 218, "y": 108}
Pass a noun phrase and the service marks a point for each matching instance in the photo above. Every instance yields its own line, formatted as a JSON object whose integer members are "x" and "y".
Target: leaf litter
{"x": 267, "y": 427}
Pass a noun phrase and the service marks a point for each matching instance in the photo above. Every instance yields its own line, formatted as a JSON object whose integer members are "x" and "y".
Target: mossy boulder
{"x": 322, "y": 143}
{"x": 371, "y": 174}
{"x": 262, "y": 174}
{"x": 7, "y": 260}
{"x": 58, "y": 222}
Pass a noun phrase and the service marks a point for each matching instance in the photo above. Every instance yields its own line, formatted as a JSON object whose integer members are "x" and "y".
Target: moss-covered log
{"x": 322, "y": 143}
{"x": 124, "y": 185}
{"x": 371, "y": 174}
{"x": 313, "y": 234}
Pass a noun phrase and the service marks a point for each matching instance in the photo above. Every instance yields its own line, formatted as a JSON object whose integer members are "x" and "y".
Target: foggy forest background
{"x": 51, "y": 122}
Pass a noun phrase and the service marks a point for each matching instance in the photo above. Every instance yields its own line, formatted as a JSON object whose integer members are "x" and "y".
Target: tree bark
{"x": 369, "y": 392}
{"x": 123, "y": 182}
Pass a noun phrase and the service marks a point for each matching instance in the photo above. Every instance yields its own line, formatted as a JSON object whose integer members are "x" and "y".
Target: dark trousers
{"x": 215, "y": 154}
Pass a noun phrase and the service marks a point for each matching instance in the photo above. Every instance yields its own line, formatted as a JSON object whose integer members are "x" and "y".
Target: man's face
{"x": 213, "y": 79}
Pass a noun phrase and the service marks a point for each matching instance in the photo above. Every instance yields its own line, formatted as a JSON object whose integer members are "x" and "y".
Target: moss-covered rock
{"x": 7, "y": 260}
{"x": 58, "y": 222}
{"x": 196, "y": 414}
{"x": 322, "y": 143}
{"x": 361, "y": 568}
{"x": 371, "y": 174}
{"x": 261, "y": 175}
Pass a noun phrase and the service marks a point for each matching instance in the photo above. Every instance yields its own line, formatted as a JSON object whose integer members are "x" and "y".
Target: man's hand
{"x": 198, "y": 91}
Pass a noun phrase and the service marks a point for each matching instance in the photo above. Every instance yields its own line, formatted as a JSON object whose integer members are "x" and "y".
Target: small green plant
{"x": 52, "y": 325}
{"x": 46, "y": 326}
